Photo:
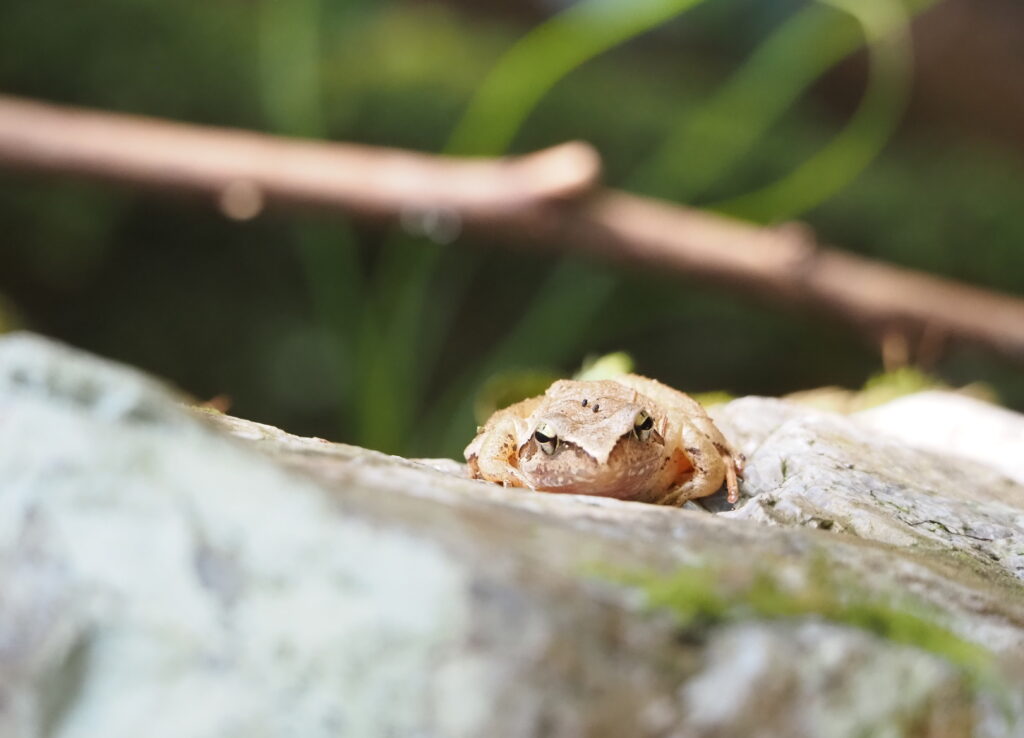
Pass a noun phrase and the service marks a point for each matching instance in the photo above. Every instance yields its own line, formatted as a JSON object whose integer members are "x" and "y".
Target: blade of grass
{"x": 885, "y": 27}
{"x": 291, "y": 89}
{"x": 551, "y": 331}
{"x": 398, "y": 363}
{"x": 328, "y": 258}
{"x": 289, "y": 55}
{"x": 546, "y": 55}
{"x": 707, "y": 143}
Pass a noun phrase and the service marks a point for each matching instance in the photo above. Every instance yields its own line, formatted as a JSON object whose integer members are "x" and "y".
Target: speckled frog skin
{"x": 631, "y": 437}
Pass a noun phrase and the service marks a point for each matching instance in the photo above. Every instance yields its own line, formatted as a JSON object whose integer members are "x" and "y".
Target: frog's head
{"x": 596, "y": 437}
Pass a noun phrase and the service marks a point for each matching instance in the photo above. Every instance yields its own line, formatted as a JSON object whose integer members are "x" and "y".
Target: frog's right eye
{"x": 546, "y": 438}
{"x": 643, "y": 425}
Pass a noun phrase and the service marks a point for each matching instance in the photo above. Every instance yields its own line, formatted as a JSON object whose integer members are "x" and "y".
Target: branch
{"x": 243, "y": 171}
{"x": 785, "y": 264}
{"x": 549, "y": 198}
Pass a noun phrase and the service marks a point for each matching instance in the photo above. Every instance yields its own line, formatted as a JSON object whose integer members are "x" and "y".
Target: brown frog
{"x": 630, "y": 437}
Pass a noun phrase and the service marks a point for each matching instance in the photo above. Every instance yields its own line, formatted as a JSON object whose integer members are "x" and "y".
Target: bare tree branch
{"x": 785, "y": 264}
{"x": 234, "y": 165}
{"x": 549, "y": 198}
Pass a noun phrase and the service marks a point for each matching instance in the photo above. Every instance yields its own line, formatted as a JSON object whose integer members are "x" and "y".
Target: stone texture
{"x": 952, "y": 424}
{"x": 165, "y": 572}
{"x": 822, "y": 470}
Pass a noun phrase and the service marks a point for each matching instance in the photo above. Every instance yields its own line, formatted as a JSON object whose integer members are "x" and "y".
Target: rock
{"x": 821, "y": 470}
{"x": 953, "y": 424}
{"x": 167, "y": 572}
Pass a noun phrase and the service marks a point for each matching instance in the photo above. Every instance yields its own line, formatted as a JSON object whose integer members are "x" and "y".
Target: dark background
{"x": 384, "y": 339}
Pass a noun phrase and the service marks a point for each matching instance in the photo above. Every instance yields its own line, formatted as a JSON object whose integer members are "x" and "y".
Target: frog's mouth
{"x": 619, "y": 488}
{"x": 630, "y": 472}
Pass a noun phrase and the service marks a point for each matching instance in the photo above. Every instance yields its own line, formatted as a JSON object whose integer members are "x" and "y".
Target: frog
{"x": 628, "y": 437}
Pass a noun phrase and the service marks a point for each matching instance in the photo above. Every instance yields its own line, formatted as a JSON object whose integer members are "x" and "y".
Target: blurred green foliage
{"x": 882, "y": 388}
{"x": 605, "y": 367}
{"x": 8, "y": 319}
{"x": 392, "y": 340}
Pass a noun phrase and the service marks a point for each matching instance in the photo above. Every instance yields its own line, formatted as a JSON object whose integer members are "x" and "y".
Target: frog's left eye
{"x": 546, "y": 438}
{"x": 643, "y": 425}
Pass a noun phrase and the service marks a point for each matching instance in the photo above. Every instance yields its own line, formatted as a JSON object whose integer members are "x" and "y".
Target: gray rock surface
{"x": 165, "y": 572}
{"x": 821, "y": 470}
{"x": 952, "y": 424}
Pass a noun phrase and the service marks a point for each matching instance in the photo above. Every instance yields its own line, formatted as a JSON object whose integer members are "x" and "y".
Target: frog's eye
{"x": 643, "y": 425}
{"x": 546, "y": 438}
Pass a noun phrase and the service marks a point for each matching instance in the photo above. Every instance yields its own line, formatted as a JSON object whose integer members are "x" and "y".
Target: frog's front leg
{"x": 711, "y": 464}
{"x": 733, "y": 471}
{"x": 494, "y": 453}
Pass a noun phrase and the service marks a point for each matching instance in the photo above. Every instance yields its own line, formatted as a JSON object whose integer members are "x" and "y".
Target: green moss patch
{"x": 704, "y": 596}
